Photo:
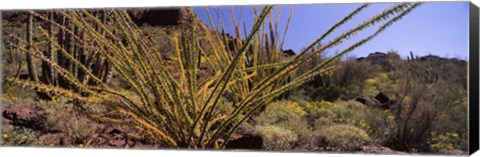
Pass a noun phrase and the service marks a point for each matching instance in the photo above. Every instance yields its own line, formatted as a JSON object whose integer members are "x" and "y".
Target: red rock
{"x": 52, "y": 138}
{"x": 25, "y": 117}
{"x": 456, "y": 152}
{"x": 112, "y": 137}
{"x": 379, "y": 150}
{"x": 248, "y": 141}
{"x": 159, "y": 16}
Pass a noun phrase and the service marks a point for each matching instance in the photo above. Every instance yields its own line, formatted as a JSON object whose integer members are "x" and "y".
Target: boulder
{"x": 368, "y": 101}
{"x": 56, "y": 139}
{"x": 248, "y": 141}
{"x": 382, "y": 98}
{"x": 309, "y": 144}
{"x": 114, "y": 137}
{"x": 380, "y": 101}
{"x": 379, "y": 58}
{"x": 160, "y": 16}
{"x": 24, "y": 117}
{"x": 360, "y": 59}
{"x": 152, "y": 17}
{"x": 108, "y": 137}
{"x": 456, "y": 152}
{"x": 288, "y": 53}
{"x": 379, "y": 150}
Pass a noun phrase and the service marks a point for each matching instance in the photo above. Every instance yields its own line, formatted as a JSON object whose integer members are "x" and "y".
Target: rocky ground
{"x": 105, "y": 136}
{"x": 108, "y": 136}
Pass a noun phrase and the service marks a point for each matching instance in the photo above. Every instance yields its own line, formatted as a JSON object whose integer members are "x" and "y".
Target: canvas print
{"x": 381, "y": 78}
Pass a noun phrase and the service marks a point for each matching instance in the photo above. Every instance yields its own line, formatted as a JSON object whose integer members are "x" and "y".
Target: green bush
{"x": 352, "y": 73}
{"x": 332, "y": 93}
{"x": 373, "y": 121}
{"x": 345, "y": 82}
{"x": 276, "y": 138}
{"x": 431, "y": 92}
{"x": 19, "y": 136}
{"x": 285, "y": 114}
{"x": 350, "y": 109}
{"x": 344, "y": 137}
{"x": 77, "y": 128}
{"x": 320, "y": 109}
{"x": 444, "y": 142}
{"x": 281, "y": 111}
{"x": 323, "y": 122}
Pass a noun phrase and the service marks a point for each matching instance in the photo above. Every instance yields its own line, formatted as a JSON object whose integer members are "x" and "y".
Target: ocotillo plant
{"x": 179, "y": 104}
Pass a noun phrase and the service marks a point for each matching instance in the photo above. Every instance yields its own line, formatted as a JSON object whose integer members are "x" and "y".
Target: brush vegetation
{"x": 195, "y": 87}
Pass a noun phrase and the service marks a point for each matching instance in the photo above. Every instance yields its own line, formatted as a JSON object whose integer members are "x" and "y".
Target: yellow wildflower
{"x": 384, "y": 75}
{"x": 450, "y": 146}
{"x": 371, "y": 81}
{"x": 297, "y": 109}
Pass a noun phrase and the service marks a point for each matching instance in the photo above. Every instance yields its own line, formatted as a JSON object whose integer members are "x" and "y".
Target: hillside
{"x": 97, "y": 79}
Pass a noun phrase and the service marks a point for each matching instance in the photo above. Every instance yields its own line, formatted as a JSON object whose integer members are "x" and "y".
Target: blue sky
{"x": 438, "y": 28}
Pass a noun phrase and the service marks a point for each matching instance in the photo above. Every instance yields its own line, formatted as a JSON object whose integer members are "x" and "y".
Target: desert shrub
{"x": 20, "y": 136}
{"x": 445, "y": 142}
{"x": 344, "y": 137}
{"x": 299, "y": 127}
{"x": 375, "y": 84}
{"x": 323, "y": 122}
{"x": 351, "y": 74}
{"x": 455, "y": 122}
{"x": 285, "y": 114}
{"x": 76, "y": 129}
{"x": 280, "y": 111}
{"x": 61, "y": 116}
{"x": 393, "y": 55}
{"x": 161, "y": 40}
{"x": 276, "y": 138}
{"x": 431, "y": 96}
{"x": 321, "y": 108}
{"x": 332, "y": 93}
{"x": 375, "y": 122}
{"x": 345, "y": 82}
{"x": 378, "y": 124}
{"x": 13, "y": 94}
{"x": 376, "y": 128}
{"x": 350, "y": 109}
{"x": 429, "y": 101}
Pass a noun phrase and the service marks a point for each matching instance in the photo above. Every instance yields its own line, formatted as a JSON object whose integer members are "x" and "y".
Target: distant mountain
{"x": 380, "y": 58}
{"x": 384, "y": 59}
